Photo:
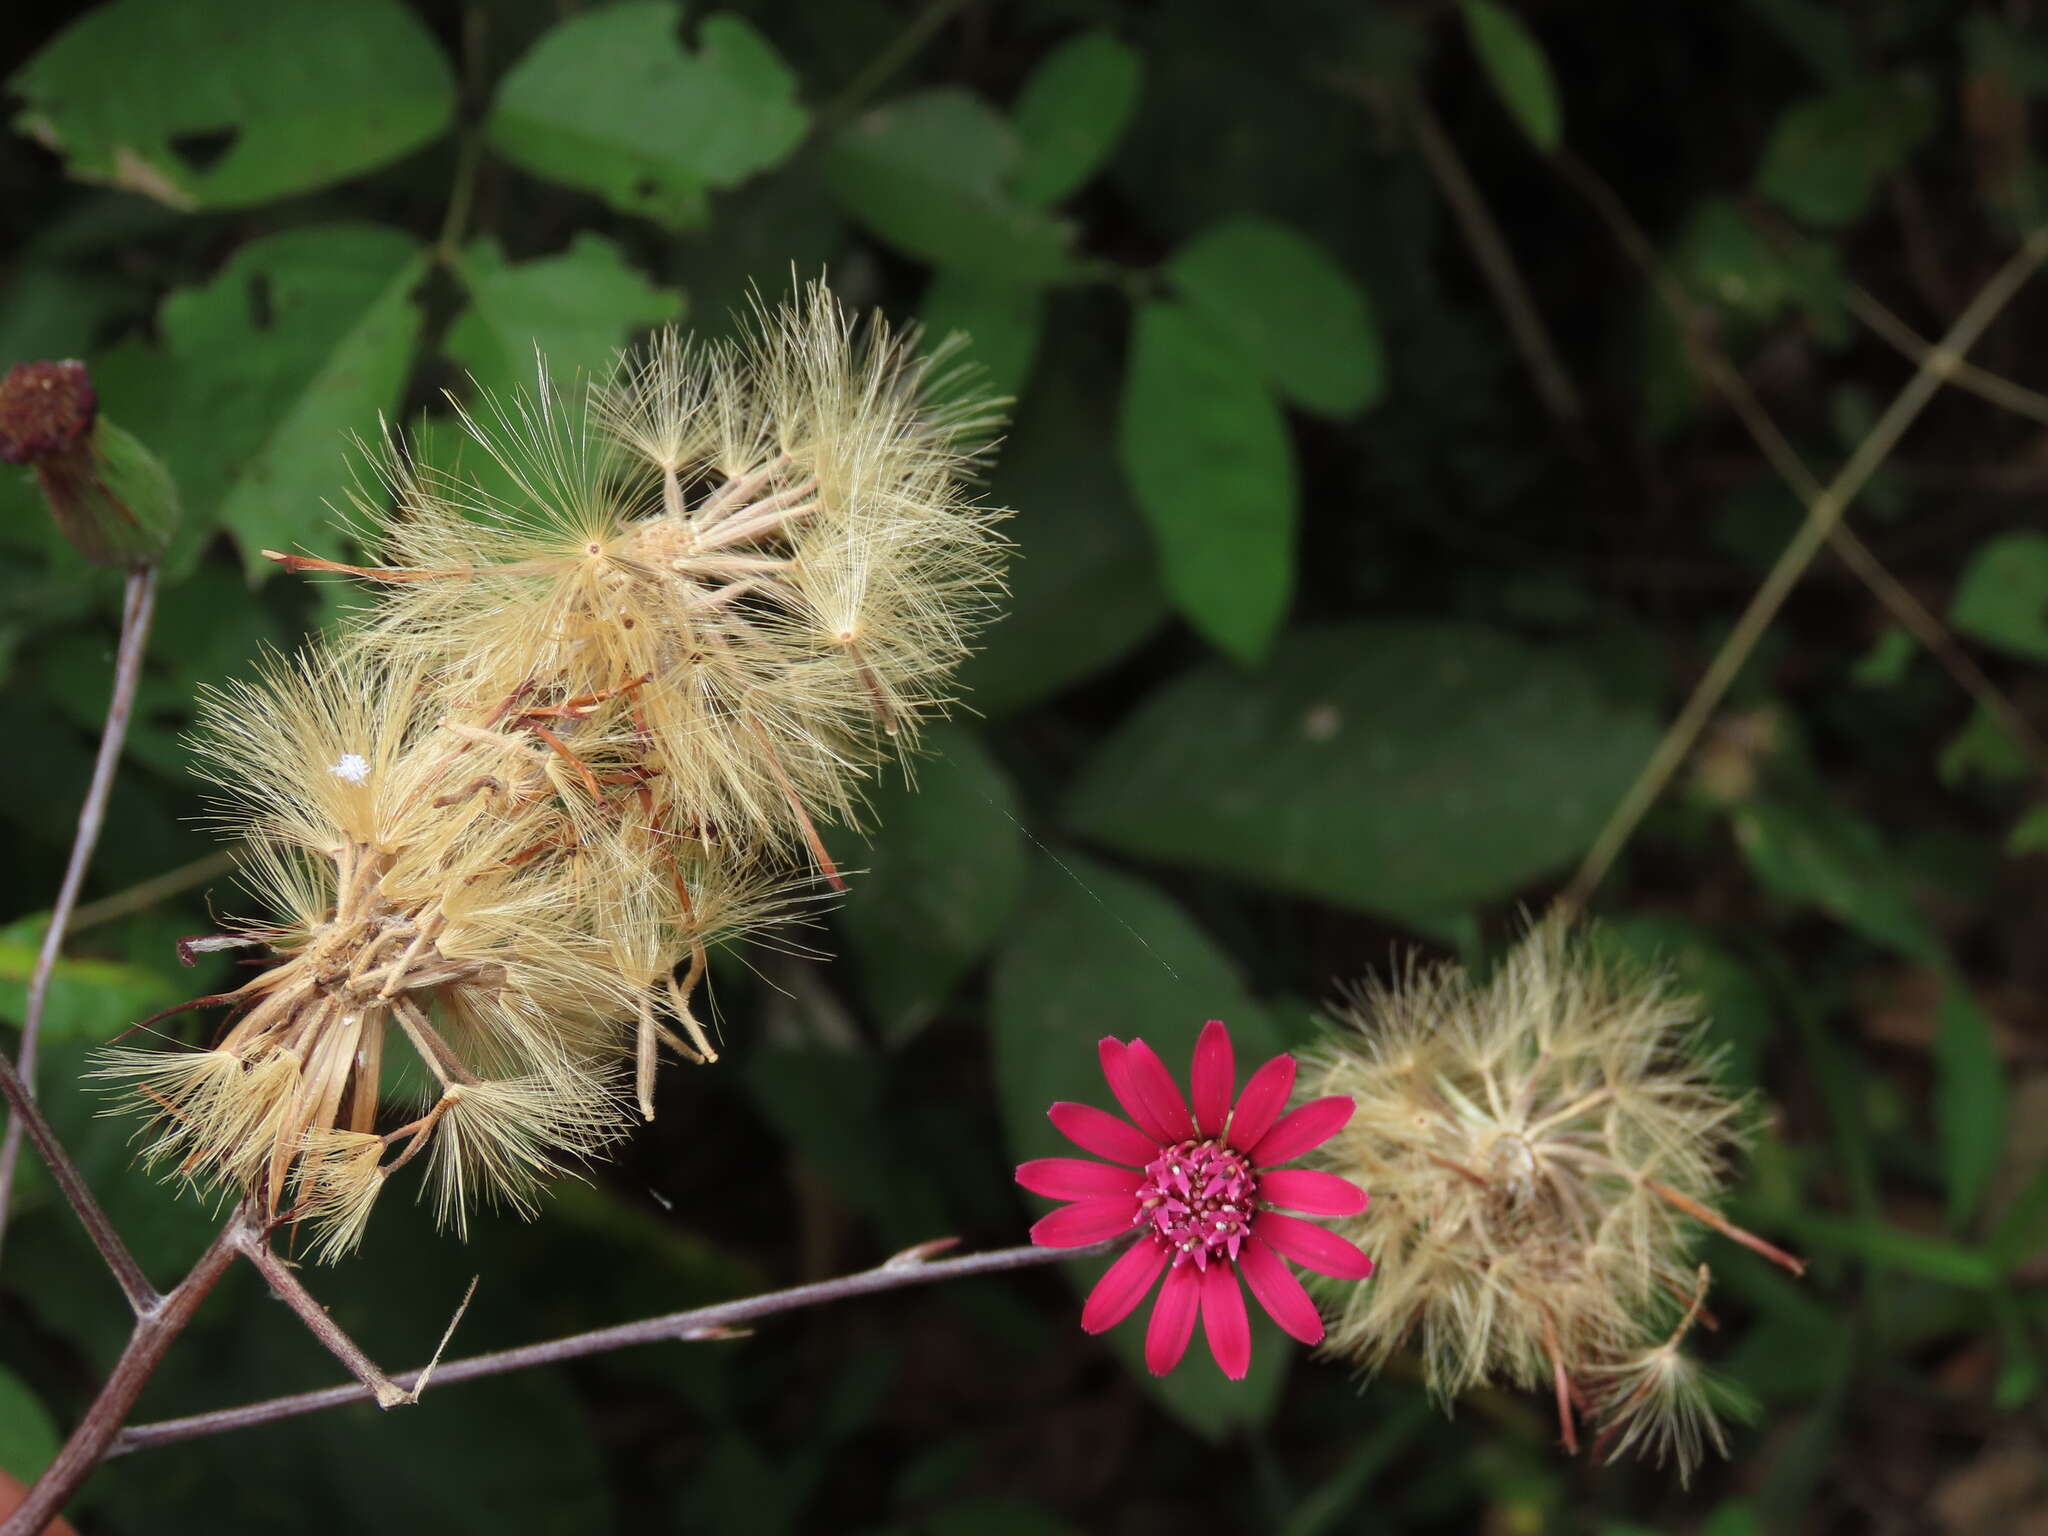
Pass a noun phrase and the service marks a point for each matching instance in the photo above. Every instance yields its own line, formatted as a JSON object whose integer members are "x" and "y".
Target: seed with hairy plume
{"x": 574, "y": 742}
{"x": 1543, "y": 1148}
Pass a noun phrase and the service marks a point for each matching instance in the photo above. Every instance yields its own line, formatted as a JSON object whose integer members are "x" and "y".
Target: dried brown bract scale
{"x": 1543, "y": 1148}
{"x": 775, "y": 538}
{"x": 471, "y": 883}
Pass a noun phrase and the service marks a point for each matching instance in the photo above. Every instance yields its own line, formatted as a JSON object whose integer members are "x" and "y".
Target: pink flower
{"x": 1202, "y": 1187}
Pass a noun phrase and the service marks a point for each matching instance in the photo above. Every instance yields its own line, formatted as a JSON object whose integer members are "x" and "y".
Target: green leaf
{"x": 575, "y": 310}
{"x": 1001, "y": 321}
{"x": 1295, "y": 312}
{"x": 612, "y": 103}
{"x": 2003, "y": 596}
{"x": 1969, "y": 1100}
{"x": 944, "y": 874}
{"x": 1207, "y": 454}
{"x": 1829, "y": 154}
{"x": 226, "y": 103}
{"x": 931, "y": 174}
{"x": 1097, "y": 953}
{"x": 1915, "y": 1253}
{"x": 1407, "y": 769}
{"x": 28, "y": 1436}
{"x": 1821, "y": 856}
{"x": 2030, "y": 833}
{"x": 1887, "y": 661}
{"x": 1071, "y": 113}
{"x": 1984, "y": 749}
{"x": 304, "y": 338}
{"x": 1081, "y": 547}
{"x": 1514, "y": 62}
{"x": 1757, "y": 277}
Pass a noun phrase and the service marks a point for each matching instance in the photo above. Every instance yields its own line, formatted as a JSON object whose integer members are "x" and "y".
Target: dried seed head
{"x": 1542, "y": 1148}
{"x": 780, "y": 533}
{"x": 572, "y": 746}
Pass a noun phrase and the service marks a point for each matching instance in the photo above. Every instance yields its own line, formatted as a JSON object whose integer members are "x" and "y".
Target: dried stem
{"x": 137, "y": 609}
{"x": 912, "y": 1267}
{"x": 1822, "y": 517}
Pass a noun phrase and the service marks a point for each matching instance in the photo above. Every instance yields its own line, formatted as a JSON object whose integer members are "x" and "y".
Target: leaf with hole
{"x": 227, "y": 103}
{"x": 303, "y": 339}
{"x": 611, "y": 102}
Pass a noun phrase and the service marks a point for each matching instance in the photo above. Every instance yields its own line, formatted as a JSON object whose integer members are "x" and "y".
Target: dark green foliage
{"x": 1325, "y": 640}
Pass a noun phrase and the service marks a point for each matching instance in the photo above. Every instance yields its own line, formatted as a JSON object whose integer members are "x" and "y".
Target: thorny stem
{"x": 155, "y": 1328}
{"x": 914, "y": 1266}
{"x": 1822, "y": 517}
{"x": 137, "y": 609}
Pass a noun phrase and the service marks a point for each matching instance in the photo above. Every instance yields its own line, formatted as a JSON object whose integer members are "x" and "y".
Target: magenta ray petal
{"x": 1123, "y": 1082}
{"x": 1085, "y": 1222}
{"x": 1213, "y": 1078}
{"x": 1123, "y": 1285}
{"x": 1261, "y": 1102}
{"x": 1282, "y": 1296}
{"x": 1076, "y": 1178}
{"x": 1173, "y": 1319}
{"x": 1224, "y": 1320}
{"x": 1098, "y": 1131}
{"x": 1149, "y": 1075}
{"x": 1299, "y": 1189}
{"x": 1309, "y": 1126}
{"x": 1306, "y": 1243}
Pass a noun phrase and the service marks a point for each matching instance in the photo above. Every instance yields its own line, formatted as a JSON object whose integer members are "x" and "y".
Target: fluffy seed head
{"x": 1542, "y": 1147}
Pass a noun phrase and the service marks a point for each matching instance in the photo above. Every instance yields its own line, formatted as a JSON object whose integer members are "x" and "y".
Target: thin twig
{"x": 137, "y": 608}
{"x": 700, "y": 1323}
{"x": 1822, "y": 517}
{"x": 154, "y": 1330}
{"x": 1715, "y": 368}
{"x": 1981, "y": 382}
{"x": 883, "y": 66}
{"x": 286, "y": 1286}
{"x": 1497, "y": 265}
{"x": 145, "y": 894}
